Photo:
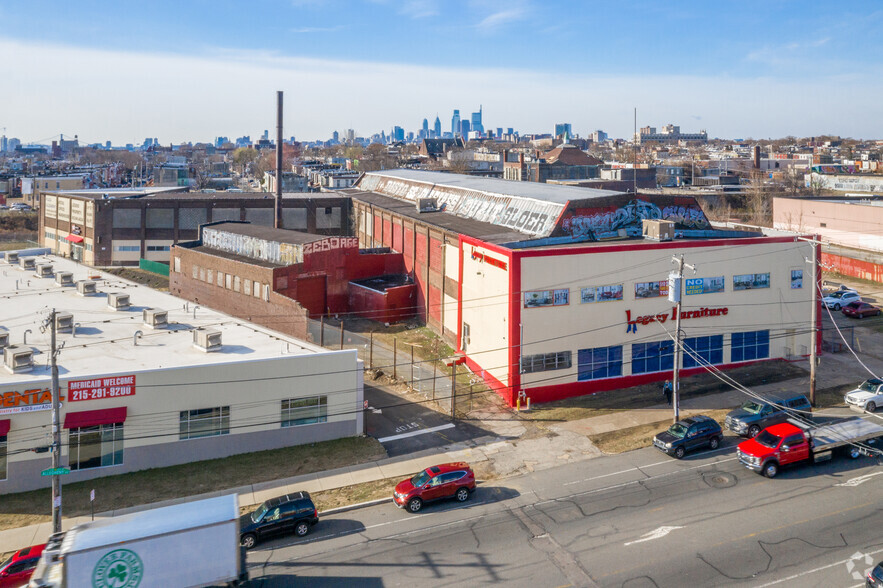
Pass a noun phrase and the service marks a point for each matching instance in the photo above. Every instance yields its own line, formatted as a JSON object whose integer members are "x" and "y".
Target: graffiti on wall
{"x": 589, "y": 222}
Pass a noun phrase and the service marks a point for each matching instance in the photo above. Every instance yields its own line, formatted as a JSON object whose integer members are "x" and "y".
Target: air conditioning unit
{"x": 64, "y": 278}
{"x": 207, "y": 339}
{"x": 44, "y": 270}
{"x": 86, "y": 288}
{"x": 26, "y": 263}
{"x": 64, "y": 322}
{"x": 118, "y": 301}
{"x": 658, "y": 230}
{"x": 4, "y": 339}
{"x": 18, "y": 359}
{"x": 427, "y": 205}
{"x": 155, "y": 318}
{"x": 12, "y": 257}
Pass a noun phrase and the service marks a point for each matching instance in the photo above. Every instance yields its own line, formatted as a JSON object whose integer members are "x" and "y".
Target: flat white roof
{"x": 103, "y": 342}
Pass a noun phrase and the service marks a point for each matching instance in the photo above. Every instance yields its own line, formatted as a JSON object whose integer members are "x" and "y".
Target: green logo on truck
{"x": 118, "y": 569}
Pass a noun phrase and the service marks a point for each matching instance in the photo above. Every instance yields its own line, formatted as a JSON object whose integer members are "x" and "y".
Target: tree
{"x": 757, "y": 200}
{"x": 245, "y": 156}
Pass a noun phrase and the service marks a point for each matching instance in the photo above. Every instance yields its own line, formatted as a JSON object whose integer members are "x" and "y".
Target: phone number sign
{"x": 99, "y": 388}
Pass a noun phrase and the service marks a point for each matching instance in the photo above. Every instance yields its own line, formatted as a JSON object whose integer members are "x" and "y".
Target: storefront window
{"x": 95, "y": 447}
{"x": 600, "y": 362}
{"x": 751, "y": 345}
{"x": 543, "y": 362}
{"x": 652, "y": 357}
{"x": 703, "y": 350}
{"x": 205, "y": 422}
{"x": 304, "y": 411}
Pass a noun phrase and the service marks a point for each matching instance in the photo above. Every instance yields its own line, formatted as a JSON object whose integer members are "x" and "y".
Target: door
{"x": 798, "y": 449}
{"x": 693, "y": 438}
{"x": 18, "y": 573}
{"x": 273, "y": 524}
{"x": 439, "y": 487}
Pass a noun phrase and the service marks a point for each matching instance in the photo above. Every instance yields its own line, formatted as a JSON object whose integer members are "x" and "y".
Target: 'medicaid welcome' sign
{"x": 99, "y": 388}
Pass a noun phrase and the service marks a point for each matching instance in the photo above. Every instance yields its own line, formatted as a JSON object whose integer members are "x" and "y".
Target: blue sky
{"x": 193, "y": 69}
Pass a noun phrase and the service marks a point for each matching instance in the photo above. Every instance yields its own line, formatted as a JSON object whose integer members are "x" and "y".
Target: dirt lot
{"x": 148, "y": 486}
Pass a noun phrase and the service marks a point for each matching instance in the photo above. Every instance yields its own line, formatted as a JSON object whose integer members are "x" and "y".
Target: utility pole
{"x": 674, "y": 295}
{"x": 814, "y": 316}
{"x": 56, "y": 431}
{"x": 277, "y": 206}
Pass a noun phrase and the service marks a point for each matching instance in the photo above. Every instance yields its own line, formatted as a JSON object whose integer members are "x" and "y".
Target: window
{"x": 220, "y": 278}
{"x": 210, "y": 276}
{"x": 236, "y": 283}
{"x": 159, "y": 248}
{"x": 177, "y": 265}
{"x": 304, "y": 411}
{"x": 796, "y": 279}
{"x": 246, "y": 286}
{"x": 256, "y": 290}
{"x": 652, "y": 357}
{"x": 3, "y": 457}
{"x": 703, "y": 350}
{"x": 205, "y": 422}
{"x": 600, "y": 362}
{"x": 543, "y": 362}
{"x": 127, "y": 248}
{"x": 195, "y": 271}
{"x": 751, "y": 282}
{"x": 96, "y": 447}
{"x": 750, "y": 345}
{"x": 228, "y": 281}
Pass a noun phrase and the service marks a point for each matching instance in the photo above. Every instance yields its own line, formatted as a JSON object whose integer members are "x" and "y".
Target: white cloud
{"x": 502, "y": 17}
{"x": 420, "y": 8}
{"x": 126, "y": 96}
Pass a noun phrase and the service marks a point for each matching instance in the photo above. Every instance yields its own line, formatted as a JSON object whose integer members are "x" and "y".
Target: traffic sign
{"x": 55, "y": 472}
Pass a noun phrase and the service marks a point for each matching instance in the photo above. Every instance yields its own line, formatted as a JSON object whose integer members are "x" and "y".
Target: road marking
{"x": 638, "y": 468}
{"x": 657, "y": 534}
{"x": 415, "y": 433}
{"x": 856, "y": 481}
{"x": 814, "y": 570}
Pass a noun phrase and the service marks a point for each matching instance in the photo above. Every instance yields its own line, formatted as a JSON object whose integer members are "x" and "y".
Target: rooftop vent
{"x": 86, "y": 287}
{"x": 658, "y": 230}
{"x": 4, "y": 339}
{"x": 17, "y": 359}
{"x": 26, "y": 263}
{"x": 118, "y": 301}
{"x": 207, "y": 339}
{"x": 44, "y": 270}
{"x": 155, "y": 318}
{"x": 12, "y": 257}
{"x": 64, "y": 278}
{"x": 64, "y": 322}
{"x": 427, "y": 205}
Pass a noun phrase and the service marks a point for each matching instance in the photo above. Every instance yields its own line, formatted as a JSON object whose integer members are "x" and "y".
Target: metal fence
{"x": 155, "y": 267}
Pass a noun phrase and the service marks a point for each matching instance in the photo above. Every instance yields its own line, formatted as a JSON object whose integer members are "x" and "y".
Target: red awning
{"x": 4, "y": 427}
{"x": 74, "y": 238}
{"x": 92, "y": 418}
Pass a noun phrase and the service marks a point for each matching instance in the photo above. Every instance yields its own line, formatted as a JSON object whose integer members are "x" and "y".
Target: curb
{"x": 349, "y": 507}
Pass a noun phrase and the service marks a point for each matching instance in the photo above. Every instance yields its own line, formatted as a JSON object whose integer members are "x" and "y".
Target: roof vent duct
{"x": 64, "y": 278}
{"x": 44, "y": 270}
{"x": 86, "y": 288}
{"x": 118, "y": 301}
{"x": 26, "y": 263}
{"x": 64, "y": 322}
{"x": 4, "y": 339}
{"x": 658, "y": 230}
{"x": 17, "y": 359}
{"x": 155, "y": 318}
{"x": 427, "y": 205}
{"x": 207, "y": 339}
{"x": 12, "y": 257}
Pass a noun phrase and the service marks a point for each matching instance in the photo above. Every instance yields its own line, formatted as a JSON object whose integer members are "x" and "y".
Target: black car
{"x": 688, "y": 434}
{"x": 875, "y": 576}
{"x": 292, "y": 513}
{"x": 756, "y": 415}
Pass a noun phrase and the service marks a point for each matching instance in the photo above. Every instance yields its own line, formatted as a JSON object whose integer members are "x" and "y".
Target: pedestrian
{"x": 667, "y": 390}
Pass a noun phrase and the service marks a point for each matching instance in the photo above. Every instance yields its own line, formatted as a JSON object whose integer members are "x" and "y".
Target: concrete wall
{"x": 853, "y": 224}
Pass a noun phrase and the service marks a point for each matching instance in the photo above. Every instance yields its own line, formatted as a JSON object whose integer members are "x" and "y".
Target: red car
{"x": 860, "y": 310}
{"x": 449, "y": 480}
{"x": 17, "y": 570}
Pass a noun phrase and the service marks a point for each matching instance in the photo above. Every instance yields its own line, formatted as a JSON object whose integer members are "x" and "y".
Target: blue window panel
{"x": 710, "y": 349}
{"x": 749, "y": 346}
{"x": 600, "y": 362}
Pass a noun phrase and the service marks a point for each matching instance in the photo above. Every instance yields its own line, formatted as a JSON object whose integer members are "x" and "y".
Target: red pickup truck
{"x": 793, "y": 442}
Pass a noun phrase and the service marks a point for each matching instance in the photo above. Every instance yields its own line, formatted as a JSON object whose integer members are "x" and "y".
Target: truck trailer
{"x": 190, "y": 544}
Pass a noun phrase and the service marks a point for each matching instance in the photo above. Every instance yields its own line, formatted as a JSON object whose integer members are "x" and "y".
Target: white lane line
{"x": 657, "y": 534}
{"x": 638, "y": 468}
{"x": 814, "y": 570}
{"x": 856, "y": 481}
{"x": 415, "y": 433}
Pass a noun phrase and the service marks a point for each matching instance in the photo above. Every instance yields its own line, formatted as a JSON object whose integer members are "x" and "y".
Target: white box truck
{"x": 190, "y": 544}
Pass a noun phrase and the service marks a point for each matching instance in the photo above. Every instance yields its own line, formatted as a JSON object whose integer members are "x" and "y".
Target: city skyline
{"x": 774, "y": 72}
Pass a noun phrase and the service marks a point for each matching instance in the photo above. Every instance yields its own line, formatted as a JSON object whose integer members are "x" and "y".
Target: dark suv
{"x": 689, "y": 434}
{"x": 292, "y": 513}
{"x": 448, "y": 480}
{"x": 755, "y": 415}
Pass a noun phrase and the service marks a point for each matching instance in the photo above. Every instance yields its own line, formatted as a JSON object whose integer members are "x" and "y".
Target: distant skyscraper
{"x": 455, "y": 123}
{"x": 510, "y": 131}
{"x": 561, "y": 128}
{"x": 425, "y": 127}
{"x": 12, "y": 144}
{"x": 4, "y": 143}
{"x": 499, "y": 132}
{"x": 350, "y": 136}
{"x": 107, "y": 145}
{"x": 335, "y": 136}
{"x": 476, "y": 121}
{"x": 398, "y": 134}
{"x": 465, "y": 128}
{"x": 437, "y": 126}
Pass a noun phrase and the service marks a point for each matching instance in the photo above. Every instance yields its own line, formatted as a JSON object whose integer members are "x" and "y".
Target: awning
{"x": 74, "y": 238}
{"x": 4, "y": 427}
{"x": 92, "y": 418}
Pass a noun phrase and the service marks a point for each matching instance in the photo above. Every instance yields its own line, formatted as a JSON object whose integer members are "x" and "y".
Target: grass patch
{"x": 140, "y": 276}
{"x": 641, "y": 436}
{"x": 16, "y": 245}
{"x": 355, "y": 494}
{"x": 154, "y": 485}
{"x": 647, "y": 395}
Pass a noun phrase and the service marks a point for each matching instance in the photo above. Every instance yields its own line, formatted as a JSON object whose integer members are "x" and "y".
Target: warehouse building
{"x": 148, "y": 380}
{"x": 555, "y": 291}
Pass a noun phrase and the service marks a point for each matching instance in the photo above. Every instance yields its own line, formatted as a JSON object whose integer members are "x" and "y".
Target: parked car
{"x": 859, "y": 309}
{"x": 449, "y": 480}
{"x": 292, "y": 513}
{"x": 841, "y": 298}
{"x": 868, "y": 396}
{"x": 17, "y": 570}
{"x": 688, "y": 434}
{"x": 755, "y": 415}
{"x": 875, "y": 576}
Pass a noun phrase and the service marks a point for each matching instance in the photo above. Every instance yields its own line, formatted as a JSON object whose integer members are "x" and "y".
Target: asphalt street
{"x": 637, "y": 519}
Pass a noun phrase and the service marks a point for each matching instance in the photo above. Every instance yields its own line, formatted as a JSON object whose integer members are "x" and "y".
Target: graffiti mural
{"x": 588, "y": 222}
